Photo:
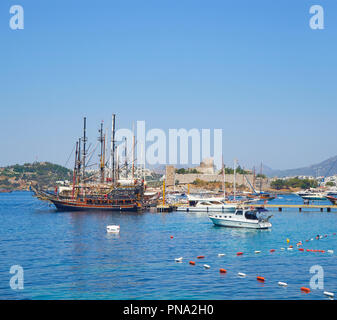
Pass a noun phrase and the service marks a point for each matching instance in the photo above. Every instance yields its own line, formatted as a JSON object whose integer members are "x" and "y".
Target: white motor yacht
{"x": 311, "y": 195}
{"x": 241, "y": 218}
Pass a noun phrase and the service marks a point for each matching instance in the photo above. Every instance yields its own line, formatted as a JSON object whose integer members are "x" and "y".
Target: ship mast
{"x": 223, "y": 179}
{"x": 84, "y": 139}
{"x": 133, "y": 152}
{"x": 126, "y": 159}
{"x": 75, "y": 170}
{"x": 112, "y": 150}
{"x": 79, "y": 161}
{"x": 117, "y": 164}
{"x": 261, "y": 178}
{"x": 235, "y": 179}
{"x": 101, "y": 140}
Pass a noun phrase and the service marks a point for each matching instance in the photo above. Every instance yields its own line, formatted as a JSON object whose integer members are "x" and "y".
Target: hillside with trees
{"x": 292, "y": 183}
{"x": 45, "y": 174}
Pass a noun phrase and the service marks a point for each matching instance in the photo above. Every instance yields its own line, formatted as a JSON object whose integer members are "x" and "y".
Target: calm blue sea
{"x": 70, "y": 256}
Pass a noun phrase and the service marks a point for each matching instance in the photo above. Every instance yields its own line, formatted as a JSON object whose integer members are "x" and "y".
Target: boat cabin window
{"x": 192, "y": 203}
{"x": 239, "y": 213}
{"x": 251, "y": 215}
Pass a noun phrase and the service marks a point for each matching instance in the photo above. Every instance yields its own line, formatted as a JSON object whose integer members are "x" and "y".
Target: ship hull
{"x": 78, "y": 206}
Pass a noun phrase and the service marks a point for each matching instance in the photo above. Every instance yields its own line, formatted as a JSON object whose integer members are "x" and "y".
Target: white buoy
{"x": 241, "y": 274}
{"x": 329, "y": 294}
{"x": 221, "y": 254}
{"x": 290, "y": 248}
{"x": 206, "y": 266}
{"x": 179, "y": 259}
{"x": 311, "y": 239}
{"x": 330, "y": 251}
{"x": 257, "y": 251}
{"x": 282, "y": 284}
{"x": 113, "y": 229}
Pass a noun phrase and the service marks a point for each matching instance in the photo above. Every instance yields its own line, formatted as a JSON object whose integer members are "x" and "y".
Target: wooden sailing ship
{"x": 102, "y": 190}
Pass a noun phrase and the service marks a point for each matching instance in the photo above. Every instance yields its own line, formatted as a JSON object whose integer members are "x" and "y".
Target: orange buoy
{"x": 272, "y": 250}
{"x": 304, "y": 289}
{"x": 200, "y": 257}
{"x": 239, "y": 253}
{"x": 260, "y": 279}
{"x": 223, "y": 270}
{"x": 290, "y": 246}
{"x": 192, "y": 263}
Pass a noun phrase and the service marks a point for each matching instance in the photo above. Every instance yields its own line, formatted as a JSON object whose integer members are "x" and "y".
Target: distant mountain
{"x": 325, "y": 168}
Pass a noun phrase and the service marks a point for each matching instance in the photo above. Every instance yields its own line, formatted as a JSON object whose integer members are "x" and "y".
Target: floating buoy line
{"x": 261, "y": 278}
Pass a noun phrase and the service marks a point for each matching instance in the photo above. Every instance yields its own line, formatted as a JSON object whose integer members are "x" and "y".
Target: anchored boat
{"x": 102, "y": 190}
{"x": 311, "y": 195}
{"x": 241, "y": 218}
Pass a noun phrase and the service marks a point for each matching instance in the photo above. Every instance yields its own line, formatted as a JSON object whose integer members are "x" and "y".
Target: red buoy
{"x": 171, "y": 237}
{"x": 200, "y": 257}
{"x": 300, "y": 249}
{"x": 272, "y": 250}
{"x": 239, "y": 253}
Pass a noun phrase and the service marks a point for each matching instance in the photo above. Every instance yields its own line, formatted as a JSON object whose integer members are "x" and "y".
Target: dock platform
{"x": 300, "y": 207}
{"x": 165, "y": 208}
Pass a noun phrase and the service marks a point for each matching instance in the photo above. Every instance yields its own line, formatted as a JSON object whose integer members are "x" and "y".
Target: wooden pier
{"x": 300, "y": 207}
{"x": 278, "y": 207}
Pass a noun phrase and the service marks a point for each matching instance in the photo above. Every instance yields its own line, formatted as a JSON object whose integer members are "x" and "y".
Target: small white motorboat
{"x": 113, "y": 229}
{"x": 241, "y": 218}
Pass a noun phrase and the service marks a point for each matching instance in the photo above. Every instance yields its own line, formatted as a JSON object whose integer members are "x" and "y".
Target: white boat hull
{"x": 313, "y": 197}
{"x": 237, "y": 223}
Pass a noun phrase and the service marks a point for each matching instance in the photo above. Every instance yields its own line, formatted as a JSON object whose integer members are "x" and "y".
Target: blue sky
{"x": 253, "y": 68}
